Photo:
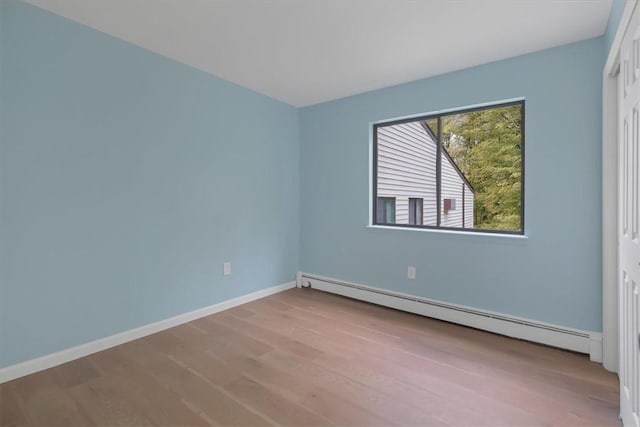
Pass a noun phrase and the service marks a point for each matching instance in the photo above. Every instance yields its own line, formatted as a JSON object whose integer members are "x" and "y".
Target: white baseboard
{"x": 50, "y": 360}
{"x": 531, "y": 330}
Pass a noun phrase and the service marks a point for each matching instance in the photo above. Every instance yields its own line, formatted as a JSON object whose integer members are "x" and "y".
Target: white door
{"x": 629, "y": 232}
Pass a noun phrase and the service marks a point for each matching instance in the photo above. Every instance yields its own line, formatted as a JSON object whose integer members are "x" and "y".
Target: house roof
{"x": 434, "y": 138}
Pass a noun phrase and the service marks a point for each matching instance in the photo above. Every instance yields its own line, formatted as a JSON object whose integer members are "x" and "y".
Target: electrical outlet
{"x": 411, "y": 273}
{"x": 226, "y": 268}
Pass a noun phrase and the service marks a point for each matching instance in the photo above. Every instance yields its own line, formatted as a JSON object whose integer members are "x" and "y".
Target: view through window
{"x": 458, "y": 170}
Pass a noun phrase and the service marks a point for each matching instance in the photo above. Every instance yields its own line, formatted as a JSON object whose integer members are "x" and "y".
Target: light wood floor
{"x": 304, "y": 357}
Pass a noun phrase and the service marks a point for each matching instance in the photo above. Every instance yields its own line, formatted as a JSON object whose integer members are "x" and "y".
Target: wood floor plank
{"x": 339, "y": 411}
{"x": 481, "y": 362}
{"x": 274, "y": 377}
{"x": 47, "y": 403}
{"x": 105, "y": 405}
{"x": 161, "y": 405}
{"x": 260, "y": 333}
{"x": 76, "y": 372}
{"x": 283, "y": 411}
{"x": 447, "y": 374}
{"x": 305, "y": 357}
{"x": 438, "y": 333}
{"x": 13, "y": 413}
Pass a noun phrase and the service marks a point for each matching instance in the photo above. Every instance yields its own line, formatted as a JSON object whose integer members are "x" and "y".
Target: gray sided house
{"x": 406, "y": 180}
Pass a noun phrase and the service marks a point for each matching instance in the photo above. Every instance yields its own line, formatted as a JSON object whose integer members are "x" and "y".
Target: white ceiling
{"x": 309, "y": 51}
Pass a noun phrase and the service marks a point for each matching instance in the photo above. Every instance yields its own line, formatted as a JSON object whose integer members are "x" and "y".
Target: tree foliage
{"x": 486, "y": 146}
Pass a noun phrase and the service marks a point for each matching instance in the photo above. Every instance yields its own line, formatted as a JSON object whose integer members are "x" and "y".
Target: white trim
{"x": 610, "y": 196}
{"x": 613, "y": 57}
{"x": 451, "y": 232}
{"x": 595, "y": 347}
{"x": 50, "y": 360}
{"x": 609, "y": 223}
{"x": 298, "y": 280}
{"x": 517, "y": 327}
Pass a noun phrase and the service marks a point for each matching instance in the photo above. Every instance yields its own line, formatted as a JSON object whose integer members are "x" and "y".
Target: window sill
{"x": 514, "y": 237}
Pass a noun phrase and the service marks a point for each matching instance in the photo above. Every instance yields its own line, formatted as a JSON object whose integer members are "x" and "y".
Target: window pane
{"x": 385, "y": 210}
{"x": 457, "y": 197}
{"x": 390, "y": 211}
{"x": 406, "y": 169}
{"x": 456, "y": 170}
{"x": 415, "y": 211}
{"x": 482, "y": 169}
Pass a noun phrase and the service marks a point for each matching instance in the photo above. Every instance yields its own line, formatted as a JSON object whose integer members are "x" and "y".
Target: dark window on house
{"x": 386, "y": 210}
{"x": 457, "y": 170}
{"x": 415, "y": 211}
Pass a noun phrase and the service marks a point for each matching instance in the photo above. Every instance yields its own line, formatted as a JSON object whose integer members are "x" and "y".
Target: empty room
{"x": 319, "y": 212}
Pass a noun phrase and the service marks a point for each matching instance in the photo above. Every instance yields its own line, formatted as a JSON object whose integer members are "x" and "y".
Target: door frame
{"x": 610, "y": 195}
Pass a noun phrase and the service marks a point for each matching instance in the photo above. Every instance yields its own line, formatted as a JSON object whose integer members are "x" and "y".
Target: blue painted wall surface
{"x": 617, "y": 8}
{"x": 128, "y": 180}
{"x": 554, "y": 275}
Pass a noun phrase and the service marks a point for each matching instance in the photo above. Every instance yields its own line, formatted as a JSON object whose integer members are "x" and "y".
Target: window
{"x": 415, "y": 211}
{"x": 386, "y": 210}
{"x": 458, "y": 170}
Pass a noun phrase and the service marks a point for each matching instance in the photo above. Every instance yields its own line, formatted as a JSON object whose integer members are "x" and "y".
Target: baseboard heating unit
{"x": 530, "y": 330}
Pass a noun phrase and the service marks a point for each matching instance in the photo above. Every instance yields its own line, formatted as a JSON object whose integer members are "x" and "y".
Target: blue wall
{"x": 554, "y": 275}
{"x": 617, "y": 8}
{"x": 128, "y": 180}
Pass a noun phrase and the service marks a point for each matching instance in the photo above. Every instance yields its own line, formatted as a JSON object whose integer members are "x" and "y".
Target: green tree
{"x": 486, "y": 146}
